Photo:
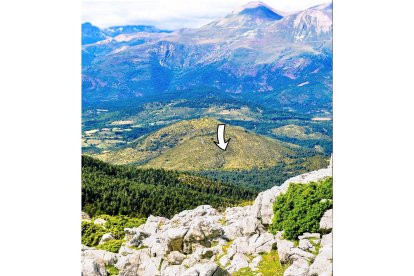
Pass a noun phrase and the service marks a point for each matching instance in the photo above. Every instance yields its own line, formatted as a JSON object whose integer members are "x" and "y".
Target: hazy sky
{"x": 173, "y": 14}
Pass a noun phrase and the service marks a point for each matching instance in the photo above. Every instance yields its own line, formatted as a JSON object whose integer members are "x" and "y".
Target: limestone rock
{"x": 238, "y": 262}
{"x": 175, "y": 258}
{"x": 309, "y": 236}
{"x": 174, "y": 270}
{"x": 99, "y": 221}
{"x": 297, "y": 254}
{"x": 326, "y": 221}
{"x": 85, "y": 216}
{"x": 322, "y": 264}
{"x": 92, "y": 267}
{"x": 140, "y": 263}
{"x": 94, "y": 261}
{"x": 255, "y": 263}
{"x": 108, "y": 258}
{"x": 207, "y": 269}
{"x": 240, "y": 222}
{"x": 306, "y": 245}
{"x": 284, "y": 249}
{"x": 106, "y": 237}
{"x": 176, "y": 238}
{"x": 298, "y": 268}
{"x": 263, "y": 205}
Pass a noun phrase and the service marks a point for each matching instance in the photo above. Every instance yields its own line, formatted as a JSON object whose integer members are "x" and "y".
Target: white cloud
{"x": 173, "y": 14}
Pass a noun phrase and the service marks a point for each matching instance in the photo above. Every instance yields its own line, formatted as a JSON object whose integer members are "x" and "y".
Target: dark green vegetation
{"x": 125, "y": 190}
{"x": 300, "y": 209}
{"x": 92, "y": 233}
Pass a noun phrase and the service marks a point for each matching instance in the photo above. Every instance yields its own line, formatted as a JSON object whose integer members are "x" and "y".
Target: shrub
{"x": 116, "y": 224}
{"x": 300, "y": 209}
{"x": 91, "y": 233}
{"x": 111, "y": 246}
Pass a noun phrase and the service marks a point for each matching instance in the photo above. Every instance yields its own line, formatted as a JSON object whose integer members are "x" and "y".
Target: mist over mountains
{"x": 254, "y": 54}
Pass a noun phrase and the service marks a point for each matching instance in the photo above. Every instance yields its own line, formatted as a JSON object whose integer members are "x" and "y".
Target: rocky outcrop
{"x": 204, "y": 241}
{"x": 94, "y": 261}
{"x": 263, "y": 205}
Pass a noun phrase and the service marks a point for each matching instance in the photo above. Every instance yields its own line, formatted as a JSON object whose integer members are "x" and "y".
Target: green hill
{"x": 125, "y": 190}
{"x": 189, "y": 146}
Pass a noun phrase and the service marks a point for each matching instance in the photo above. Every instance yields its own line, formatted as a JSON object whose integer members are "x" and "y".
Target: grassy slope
{"x": 189, "y": 145}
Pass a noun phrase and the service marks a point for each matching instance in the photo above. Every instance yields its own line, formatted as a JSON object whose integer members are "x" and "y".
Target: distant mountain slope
{"x": 261, "y": 55}
{"x": 91, "y": 34}
{"x": 189, "y": 145}
{"x": 130, "y": 29}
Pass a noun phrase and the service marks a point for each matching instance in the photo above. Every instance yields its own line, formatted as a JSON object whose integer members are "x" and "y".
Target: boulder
{"x": 298, "y": 268}
{"x": 99, "y": 221}
{"x": 92, "y": 267}
{"x": 263, "y": 205}
{"x": 176, "y": 238}
{"x": 297, "y": 254}
{"x": 106, "y": 237}
{"x": 309, "y": 236}
{"x": 224, "y": 261}
{"x": 202, "y": 230}
{"x": 174, "y": 270}
{"x": 206, "y": 269}
{"x": 325, "y": 224}
{"x": 254, "y": 264}
{"x": 238, "y": 262}
{"x": 323, "y": 263}
{"x": 139, "y": 263}
{"x": 262, "y": 243}
{"x": 306, "y": 245}
{"x": 85, "y": 216}
{"x": 175, "y": 258}
{"x": 108, "y": 258}
{"x": 94, "y": 261}
{"x": 284, "y": 249}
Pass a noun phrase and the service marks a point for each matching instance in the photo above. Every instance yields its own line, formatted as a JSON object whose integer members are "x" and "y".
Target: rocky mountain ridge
{"x": 205, "y": 242}
{"x": 281, "y": 61}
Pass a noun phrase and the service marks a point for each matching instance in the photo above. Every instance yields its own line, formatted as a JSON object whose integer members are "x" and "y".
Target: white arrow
{"x": 220, "y": 137}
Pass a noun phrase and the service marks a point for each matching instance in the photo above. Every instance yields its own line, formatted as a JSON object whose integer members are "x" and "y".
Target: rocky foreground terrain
{"x": 206, "y": 242}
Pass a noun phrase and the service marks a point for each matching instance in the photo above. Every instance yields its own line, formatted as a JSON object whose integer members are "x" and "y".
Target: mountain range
{"x": 254, "y": 54}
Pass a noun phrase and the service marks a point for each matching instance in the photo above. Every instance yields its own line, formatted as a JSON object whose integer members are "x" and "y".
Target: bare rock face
{"x": 94, "y": 261}
{"x": 241, "y": 222}
{"x": 323, "y": 262}
{"x": 140, "y": 263}
{"x": 175, "y": 258}
{"x": 238, "y": 262}
{"x": 93, "y": 267}
{"x": 326, "y": 221}
{"x": 174, "y": 270}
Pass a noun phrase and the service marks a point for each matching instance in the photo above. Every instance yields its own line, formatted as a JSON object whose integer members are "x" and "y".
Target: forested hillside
{"x": 125, "y": 190}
